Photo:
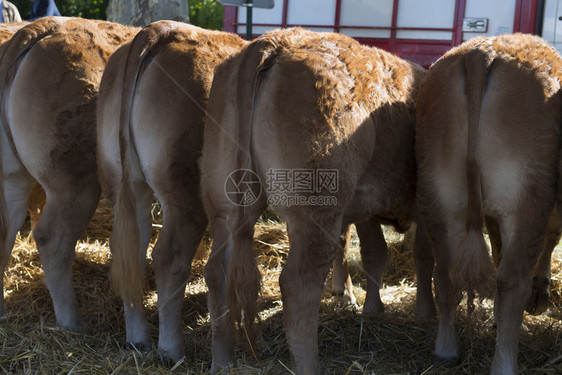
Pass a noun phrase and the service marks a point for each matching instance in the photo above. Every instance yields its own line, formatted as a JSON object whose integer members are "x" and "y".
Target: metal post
{"x": 249, "y": 7}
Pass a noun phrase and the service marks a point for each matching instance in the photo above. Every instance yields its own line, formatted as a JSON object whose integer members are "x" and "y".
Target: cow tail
{"x": 127, "y": 271}
{"x": 244, "y": 278}
{"x": 473, "y": 269}
{"x": 14, "y": 51}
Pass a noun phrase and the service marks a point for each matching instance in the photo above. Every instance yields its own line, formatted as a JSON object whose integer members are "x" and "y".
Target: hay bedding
{"x": 394, "y": 343}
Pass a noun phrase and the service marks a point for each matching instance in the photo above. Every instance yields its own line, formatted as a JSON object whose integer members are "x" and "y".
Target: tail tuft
{"x": 244, "y": 284}
{"x": 472, "y": 268}
{"x": 126, "y": 271}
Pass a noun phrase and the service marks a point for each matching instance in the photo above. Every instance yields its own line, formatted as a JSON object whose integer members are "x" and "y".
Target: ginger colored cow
{"x": 322, "y": 104}
{"x": 488, "y": 145}
{"x": 49, "y": 76}
{"x": 150, "y": 134}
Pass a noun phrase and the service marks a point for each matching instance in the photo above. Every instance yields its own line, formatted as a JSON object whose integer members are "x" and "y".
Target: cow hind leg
{"x": 424, "y": 263}
{"x": 538, "y": 302}
{"x": 522, "y": 243}
{"x": 182, "y": 230}
{"x": 16, "y": 190}
{"x": 374, "y": 254}
{"x": 445, "y": 236}
{"x": 312, "y": 251}
{"x": 66, "y": 215}
{"x": 216, "y": 271}
{"x": 342, "y": 287}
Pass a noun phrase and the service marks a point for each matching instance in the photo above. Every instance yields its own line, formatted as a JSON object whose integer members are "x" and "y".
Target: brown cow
{"x": 295, "y": 100}
{"x": 159, "y": 84}
{"x": 488, "y": 143}
{"x": 50, "y": 72}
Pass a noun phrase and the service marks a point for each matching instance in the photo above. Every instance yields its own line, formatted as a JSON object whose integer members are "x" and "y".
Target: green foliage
{"x": 203, "y": 13}
{"x": 207, "y": 14}
{"x": 94, "y": 9}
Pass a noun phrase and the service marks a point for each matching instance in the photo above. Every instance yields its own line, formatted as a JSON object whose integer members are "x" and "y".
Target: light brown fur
{"x": 7, "y": 30}
{"x": 487, "y": 143}
{"x": 49, "y": 74}
{"x": 296, "y": 99}
{"x": 150, "y": 133}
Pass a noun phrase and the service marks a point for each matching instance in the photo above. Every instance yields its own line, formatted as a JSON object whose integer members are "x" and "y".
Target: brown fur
{"x": 36, "y": 203}
{"x": 491, "y": 108}
{"x": 310, "y": 101}
{"x": 52, "y": 137}
{"x": 7, "y": 30}
{"x": 183, "y": 59}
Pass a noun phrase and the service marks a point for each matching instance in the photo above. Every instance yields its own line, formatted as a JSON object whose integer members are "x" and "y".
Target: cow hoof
{"x": 138, "y": 347}
{"x": 344, "y": 300}
{"x": 425, "y": 315}
{"x": 77, "y": 327}
{"x": 215, "y": 367}
{"x": 447, "y": 362}
{"x": 373, "y": 309}
{"x": 538, "y": 302}
{"x": 425, "y": 310}
{"x": 168, "y": 360}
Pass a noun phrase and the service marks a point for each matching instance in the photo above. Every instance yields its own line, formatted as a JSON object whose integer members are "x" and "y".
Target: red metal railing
{"x": 423, "y": 51}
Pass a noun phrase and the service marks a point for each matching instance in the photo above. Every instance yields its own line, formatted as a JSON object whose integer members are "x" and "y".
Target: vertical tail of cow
{"x": 126, "y": 270}
{"x": 244, "y": 278}
{"x": 473, "y": 269}
{"x": 14, "y": 50}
